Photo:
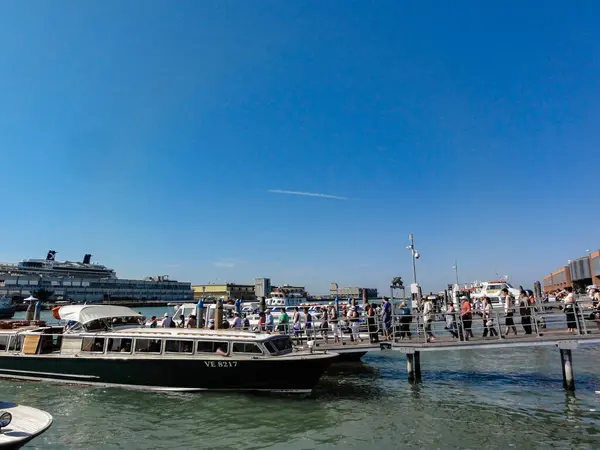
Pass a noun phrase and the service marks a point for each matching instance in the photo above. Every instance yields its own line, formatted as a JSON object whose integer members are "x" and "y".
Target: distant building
{"x": 580, "y": 272}
{"x": 289, "y": 289}
{"x": 229, "y": 291}
{"x": 262, "y": 287}
{"x": 352, "y": 292}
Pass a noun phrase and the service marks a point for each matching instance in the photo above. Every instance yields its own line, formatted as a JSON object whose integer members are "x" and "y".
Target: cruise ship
{"x": 85, "y": 282}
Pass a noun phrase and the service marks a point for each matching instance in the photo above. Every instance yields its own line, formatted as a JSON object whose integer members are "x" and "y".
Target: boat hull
{"x": 281, "y": 374}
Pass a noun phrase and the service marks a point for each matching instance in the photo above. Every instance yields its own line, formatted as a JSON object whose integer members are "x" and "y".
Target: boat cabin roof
{"x": 189, "y": 332}
{"x": 87, "y": 313}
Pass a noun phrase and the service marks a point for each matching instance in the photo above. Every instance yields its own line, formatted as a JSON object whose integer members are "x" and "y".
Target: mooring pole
{"x": 410, "y": 367}
{"x": 567, "y": 369}
{"x": 417, "y": 366}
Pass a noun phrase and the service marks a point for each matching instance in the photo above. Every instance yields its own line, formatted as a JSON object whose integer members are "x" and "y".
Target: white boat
{"x": 20, "y": 424}
{"x": 492, "y": 290}
{"x": 282, "y": 298}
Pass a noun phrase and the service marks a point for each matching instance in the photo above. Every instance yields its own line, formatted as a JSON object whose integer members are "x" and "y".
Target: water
{"x": 470, "y": 400}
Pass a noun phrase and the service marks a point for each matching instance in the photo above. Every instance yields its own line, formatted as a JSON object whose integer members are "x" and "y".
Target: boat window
{"x": 147, "y": 345}
{"x": 122, "y": 345}
{"x": 246, "y": 347}
{"x": 179, "y": 346}
{"x": 92, "y": 344}
{"x": 270, "y": 347}
{"x": 4, "y": 342}
{"x": 283, "y": 343}
{"x": 50, "y": 343}
{"x": 16, "y": 343}
{"x": 211, "y": 347}
{"x": 495, "y": 287}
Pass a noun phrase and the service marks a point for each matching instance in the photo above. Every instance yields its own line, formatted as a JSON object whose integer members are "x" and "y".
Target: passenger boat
{"x": 109, "y": 346}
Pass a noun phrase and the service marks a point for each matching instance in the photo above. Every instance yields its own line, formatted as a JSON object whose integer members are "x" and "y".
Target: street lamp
{"x": 415, "y": 256}
{"x": 455, "y": 267}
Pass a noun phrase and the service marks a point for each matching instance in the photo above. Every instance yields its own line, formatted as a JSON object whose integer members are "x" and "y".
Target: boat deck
{"x": 26, "y": 424}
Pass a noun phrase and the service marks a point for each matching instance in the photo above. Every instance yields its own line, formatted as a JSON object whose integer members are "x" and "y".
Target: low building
{"x": 595, "y": 266}
{"x": 229, "y": 291}
{"x": 351, "y": 292}
{"x": 288, "y": 289}
{"x": 579, "y": 273}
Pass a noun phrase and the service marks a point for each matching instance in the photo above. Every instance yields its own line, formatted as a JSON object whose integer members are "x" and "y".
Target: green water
{"x": 468, "y": 400}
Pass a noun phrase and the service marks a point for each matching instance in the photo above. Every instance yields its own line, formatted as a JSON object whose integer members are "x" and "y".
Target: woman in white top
{"x": 570, "y": 310}
{"x": 488, "y": 318}
{"x": 428, "y": 319}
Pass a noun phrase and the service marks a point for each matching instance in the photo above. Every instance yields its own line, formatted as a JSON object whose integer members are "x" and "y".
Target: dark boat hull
{"x": 349, "y": 357}
{"x": 278, "y": 374}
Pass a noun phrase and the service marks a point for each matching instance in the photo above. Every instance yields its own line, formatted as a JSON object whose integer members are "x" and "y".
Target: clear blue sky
{"x": 150, "y": 133}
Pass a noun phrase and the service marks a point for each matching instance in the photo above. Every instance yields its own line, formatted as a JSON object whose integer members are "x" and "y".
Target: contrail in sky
{"x": 308, "y": 194}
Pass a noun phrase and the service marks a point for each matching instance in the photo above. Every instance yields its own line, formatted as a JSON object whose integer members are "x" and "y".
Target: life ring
{"x": 55, "y": 313}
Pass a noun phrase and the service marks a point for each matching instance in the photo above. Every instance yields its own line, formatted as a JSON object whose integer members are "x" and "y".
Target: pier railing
{"x": 444, "y": 326}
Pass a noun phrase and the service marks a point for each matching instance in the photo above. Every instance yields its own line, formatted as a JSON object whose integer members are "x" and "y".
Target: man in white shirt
{"x": 167, "y": 321}
{"x": 237, "y": 321}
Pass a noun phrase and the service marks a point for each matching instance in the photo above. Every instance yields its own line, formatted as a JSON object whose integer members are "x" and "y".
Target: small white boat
{"x": 20, "y": 424}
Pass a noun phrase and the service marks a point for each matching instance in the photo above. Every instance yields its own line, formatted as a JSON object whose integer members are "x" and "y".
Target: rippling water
{"x": 468, "y": 400}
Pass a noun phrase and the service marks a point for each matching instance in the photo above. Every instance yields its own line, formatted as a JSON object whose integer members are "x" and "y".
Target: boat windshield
{"x": 282, "y": 344}
{"x": 495, "y": 287}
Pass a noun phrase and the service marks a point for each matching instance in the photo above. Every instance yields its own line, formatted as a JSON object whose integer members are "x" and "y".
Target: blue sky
{"x": 153, "y": 134}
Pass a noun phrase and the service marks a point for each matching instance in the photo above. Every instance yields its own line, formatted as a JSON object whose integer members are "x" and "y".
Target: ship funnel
{"x": 87, "y": 258}
{"x": 51, "y": 255}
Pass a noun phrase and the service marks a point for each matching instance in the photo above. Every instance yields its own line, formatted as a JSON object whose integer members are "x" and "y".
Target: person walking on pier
{"x": 570, "y": 310}
{"x": 333, "y": 321}
{"x": 269, "y": 321}
{"x": 308, "y": 325}
{"x": 354, "y": 324}
{"x": 451, "y": 321}
{"x": 386, "y": 317}
{"x": 284, "y": 321}
{"x": 466, "y": 315}
{"x": 428, "y": 319}
{"x": 405, "y": 320}
{"x": 525, "y": 312}
{"x": 261, "y": 321}
{"x": 509, "y": 310}
{"x": 237, "y": 321}
{"x": 488, "y": 318}
{"x": 371, "y": 325}
{"x": 324, "y": 325}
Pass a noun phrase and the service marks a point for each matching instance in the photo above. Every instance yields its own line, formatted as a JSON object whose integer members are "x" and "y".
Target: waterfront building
{"x": 351, "y": 292}
{"x": 228, "y": 291}
{"x": 288, "y": 289}
{"x": 84, "y": 282}
{"x": 579, "y": 273}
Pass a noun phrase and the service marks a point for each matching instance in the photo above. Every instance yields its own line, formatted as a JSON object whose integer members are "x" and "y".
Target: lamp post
{"x": 415, "y": 256}
{"x": 455, "y": 267}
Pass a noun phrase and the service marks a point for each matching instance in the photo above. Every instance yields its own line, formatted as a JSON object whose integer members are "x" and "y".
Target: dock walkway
{"x": 545, "y": 328}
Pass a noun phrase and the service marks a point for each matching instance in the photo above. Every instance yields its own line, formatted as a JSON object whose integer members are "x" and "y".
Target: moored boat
{"x": 107, "y": 345}
{"x": 20, "y": 424}
{"x": 7, "y": 309}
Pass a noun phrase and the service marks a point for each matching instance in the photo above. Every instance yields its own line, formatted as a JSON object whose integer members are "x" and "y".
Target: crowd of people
{"x": 384, "y": 322}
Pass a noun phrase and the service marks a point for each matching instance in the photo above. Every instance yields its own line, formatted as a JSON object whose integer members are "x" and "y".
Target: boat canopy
{"x": 86, "y": 313}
